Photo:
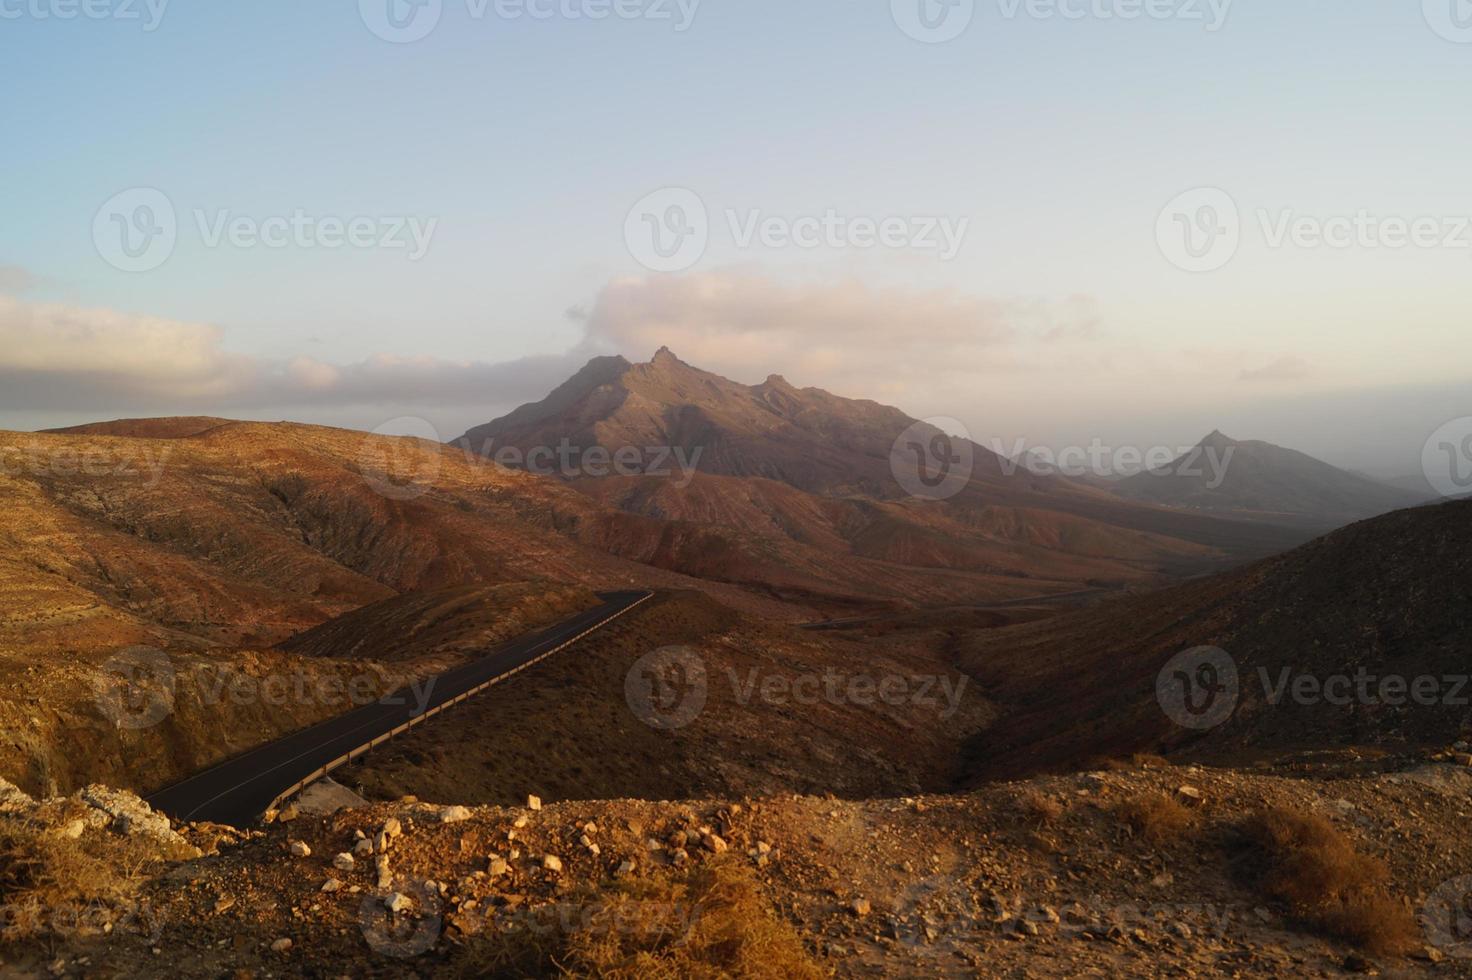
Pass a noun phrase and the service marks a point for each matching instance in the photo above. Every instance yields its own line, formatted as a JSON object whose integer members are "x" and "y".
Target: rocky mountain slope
{"x": 783, "y": 463}
{"x": 1265, "y": 482}
{"x": 1165, "y": 872}
{"x": 1387, "y": 602}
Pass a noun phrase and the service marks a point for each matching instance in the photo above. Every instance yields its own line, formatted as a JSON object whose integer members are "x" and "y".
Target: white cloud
{"x": 851, "y": 336}
{"x": 64, "y": 358}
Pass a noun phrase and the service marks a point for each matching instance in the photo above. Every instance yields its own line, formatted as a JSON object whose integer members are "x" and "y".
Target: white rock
{"x": 130, "y": 815}
{"x": 398, "y": 902}
{"x": 552, "y": 863}
{"x": 281, "y": 945}
{"x": 300, "y": 849}
{"x": 13, "y": 798}
{"x": 533, "y": 802}
{"x": 454, "y": 814}
{"x": 344, "y": 862}
{"x": 332, "y": 885}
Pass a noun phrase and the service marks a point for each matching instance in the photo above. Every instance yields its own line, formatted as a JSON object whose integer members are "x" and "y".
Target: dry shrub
{"x": 710, "y": 923}
{"x": 47, "y": 878}
{"x": 1315, "y": 869}
{"x": 1157, "y": 818}
{"x": 1039, "y": 809}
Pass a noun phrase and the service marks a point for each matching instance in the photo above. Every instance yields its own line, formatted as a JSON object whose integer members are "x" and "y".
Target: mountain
{"x": 770, "y": 460}
{"x": 1266, "y": 482}
{"x": 805, "y": 438}
{"x": 1386, "y": 598}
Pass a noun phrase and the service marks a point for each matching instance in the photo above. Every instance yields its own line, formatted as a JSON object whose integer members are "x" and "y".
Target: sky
{"x": 1055, "y": 221}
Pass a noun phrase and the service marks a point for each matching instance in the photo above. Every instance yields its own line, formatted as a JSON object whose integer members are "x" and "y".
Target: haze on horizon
{"x": 501, "y": 162}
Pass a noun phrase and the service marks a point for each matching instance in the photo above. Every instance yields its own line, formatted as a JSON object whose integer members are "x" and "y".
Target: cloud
{"x": 1283, "y": 369}
{"x": 849, "y": 335}
{"x": 14, "y": 279}
{"x": 64, "y": 358}
{"x": 897, "y": 345}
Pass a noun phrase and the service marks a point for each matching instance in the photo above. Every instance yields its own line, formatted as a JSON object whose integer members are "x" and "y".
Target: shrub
{"x": 1308, "y": 864}
{"x": 1157, "y": 818}
{"x": 48, "y": 878}
{"x": 1039, "y": 809}
{"x": 709, "y": 923}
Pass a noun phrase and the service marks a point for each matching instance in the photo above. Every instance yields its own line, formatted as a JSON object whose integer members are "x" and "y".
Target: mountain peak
{"x": 1218, "y": 438}
{"x": 664, "y": 357}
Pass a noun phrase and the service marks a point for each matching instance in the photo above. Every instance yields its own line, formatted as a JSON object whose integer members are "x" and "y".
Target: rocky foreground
{"x": 1157, "y": 871}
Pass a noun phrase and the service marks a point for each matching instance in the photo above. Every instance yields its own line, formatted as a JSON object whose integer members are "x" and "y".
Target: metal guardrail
{"x": 362, "y": 750}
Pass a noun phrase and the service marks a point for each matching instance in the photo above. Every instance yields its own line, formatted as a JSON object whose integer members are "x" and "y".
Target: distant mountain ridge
{"x": 775, "y": 461}
{"x": 1260, "y": 479}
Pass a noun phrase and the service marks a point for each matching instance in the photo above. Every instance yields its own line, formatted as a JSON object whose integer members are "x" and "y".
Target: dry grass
{"x": 1040, "y": 810}
{"x": 711, "y": 923}
{"x": 1140, "y": 760}
{"x": 47, "y": 878}
{"x": 1157, "y": 818}
{"x": 1315, "y": 869}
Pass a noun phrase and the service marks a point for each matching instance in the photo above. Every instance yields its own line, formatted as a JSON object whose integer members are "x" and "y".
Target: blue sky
{"x": 526, "y": 142}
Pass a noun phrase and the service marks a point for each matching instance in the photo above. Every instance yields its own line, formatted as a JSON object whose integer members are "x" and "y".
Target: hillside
{"x": 1265, "y": 482}
{"x": 744, "y": 442}
{"x": 1056, "y": 876}
{"x": 1391, "y": 597}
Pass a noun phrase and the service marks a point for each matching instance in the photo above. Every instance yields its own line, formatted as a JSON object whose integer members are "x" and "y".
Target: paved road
{"x": 237, "y": 792}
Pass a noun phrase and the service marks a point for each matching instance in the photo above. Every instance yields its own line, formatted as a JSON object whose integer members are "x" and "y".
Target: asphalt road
{"x": 237, "y": 792}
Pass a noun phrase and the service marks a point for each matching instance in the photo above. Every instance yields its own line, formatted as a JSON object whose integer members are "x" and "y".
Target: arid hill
{"x": 1260, "y": 481}
{"x": 1389, "y": 598}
